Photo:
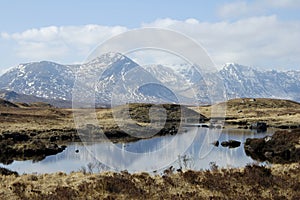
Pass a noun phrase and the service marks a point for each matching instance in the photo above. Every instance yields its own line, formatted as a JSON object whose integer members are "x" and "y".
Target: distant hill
{"x": 140, "y": 112}
{"x": 14, "y": 97}
{"x": 4, "y": 103}
{"x": 261, "y": 103}
{"x": 275, "y": 112}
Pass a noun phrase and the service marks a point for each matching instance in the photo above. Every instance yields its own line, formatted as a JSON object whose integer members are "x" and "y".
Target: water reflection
{"x": 197, "y": 154}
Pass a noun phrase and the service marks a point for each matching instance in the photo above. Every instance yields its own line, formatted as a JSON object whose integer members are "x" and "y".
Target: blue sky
{"x": 27, "y": 14}
{"x": 261, "y": 33}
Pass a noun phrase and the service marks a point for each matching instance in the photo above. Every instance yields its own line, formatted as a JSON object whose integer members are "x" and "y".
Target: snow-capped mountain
{"x": 42, "y": 79}
{"x": 115, "y": 76}
{"x": 101, "y": 75}
{"x": 242, "y": 81}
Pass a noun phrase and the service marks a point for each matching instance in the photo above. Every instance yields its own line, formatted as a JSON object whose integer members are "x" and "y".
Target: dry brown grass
{"x": 252, "y": 182}
{"x": 34, "y": 118}
{"x": 276, "y": 112}
{"x": 44, "y": 117}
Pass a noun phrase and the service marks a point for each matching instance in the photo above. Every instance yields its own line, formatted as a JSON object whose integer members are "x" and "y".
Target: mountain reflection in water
{"x": 197, "y": 142}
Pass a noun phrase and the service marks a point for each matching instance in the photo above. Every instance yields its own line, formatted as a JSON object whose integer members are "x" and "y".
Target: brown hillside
{"x": 244, "y": 111}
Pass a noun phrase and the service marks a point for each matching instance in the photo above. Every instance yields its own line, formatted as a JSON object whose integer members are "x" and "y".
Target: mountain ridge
{"x": 50, "y": 80}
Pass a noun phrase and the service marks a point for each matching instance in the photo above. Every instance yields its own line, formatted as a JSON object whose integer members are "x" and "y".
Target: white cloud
{"x": 192, "y": 21}
{"x": 255, "y": 41}
{"x": 56, "y": 43}
{"x": 42, "y": 50}
{"x": 239, "y": 9}
{"x": 258, "y": 41}
{"x": 42, "y": 34}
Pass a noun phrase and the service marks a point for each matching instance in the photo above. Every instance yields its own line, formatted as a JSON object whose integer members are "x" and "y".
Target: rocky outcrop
{"x": 282, "y": 147}
{"x": 34, "y": 150}
{"x": 32, "y": 145}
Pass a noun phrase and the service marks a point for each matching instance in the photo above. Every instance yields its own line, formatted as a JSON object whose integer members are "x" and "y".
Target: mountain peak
{"x": 237, "y": 67}
{"x": 233, "y": 65}
{"x": 230, "y": 64}
{"x": 112, "y": 56}
{"x": 108, "y": 58}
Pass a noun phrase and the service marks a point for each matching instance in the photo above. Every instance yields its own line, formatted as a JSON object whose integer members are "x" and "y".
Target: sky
{"x": 260, "y": 33}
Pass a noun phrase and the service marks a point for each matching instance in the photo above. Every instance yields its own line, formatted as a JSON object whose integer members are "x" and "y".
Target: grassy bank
{"x": 242, "y": 112}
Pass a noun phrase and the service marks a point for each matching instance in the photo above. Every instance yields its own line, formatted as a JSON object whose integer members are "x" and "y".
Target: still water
{"x": 190, "y": 150}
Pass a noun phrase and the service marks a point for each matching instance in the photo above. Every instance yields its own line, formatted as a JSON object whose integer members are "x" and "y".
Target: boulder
{"x": 259, "y": 126}
{"x": 231, "y": 143}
